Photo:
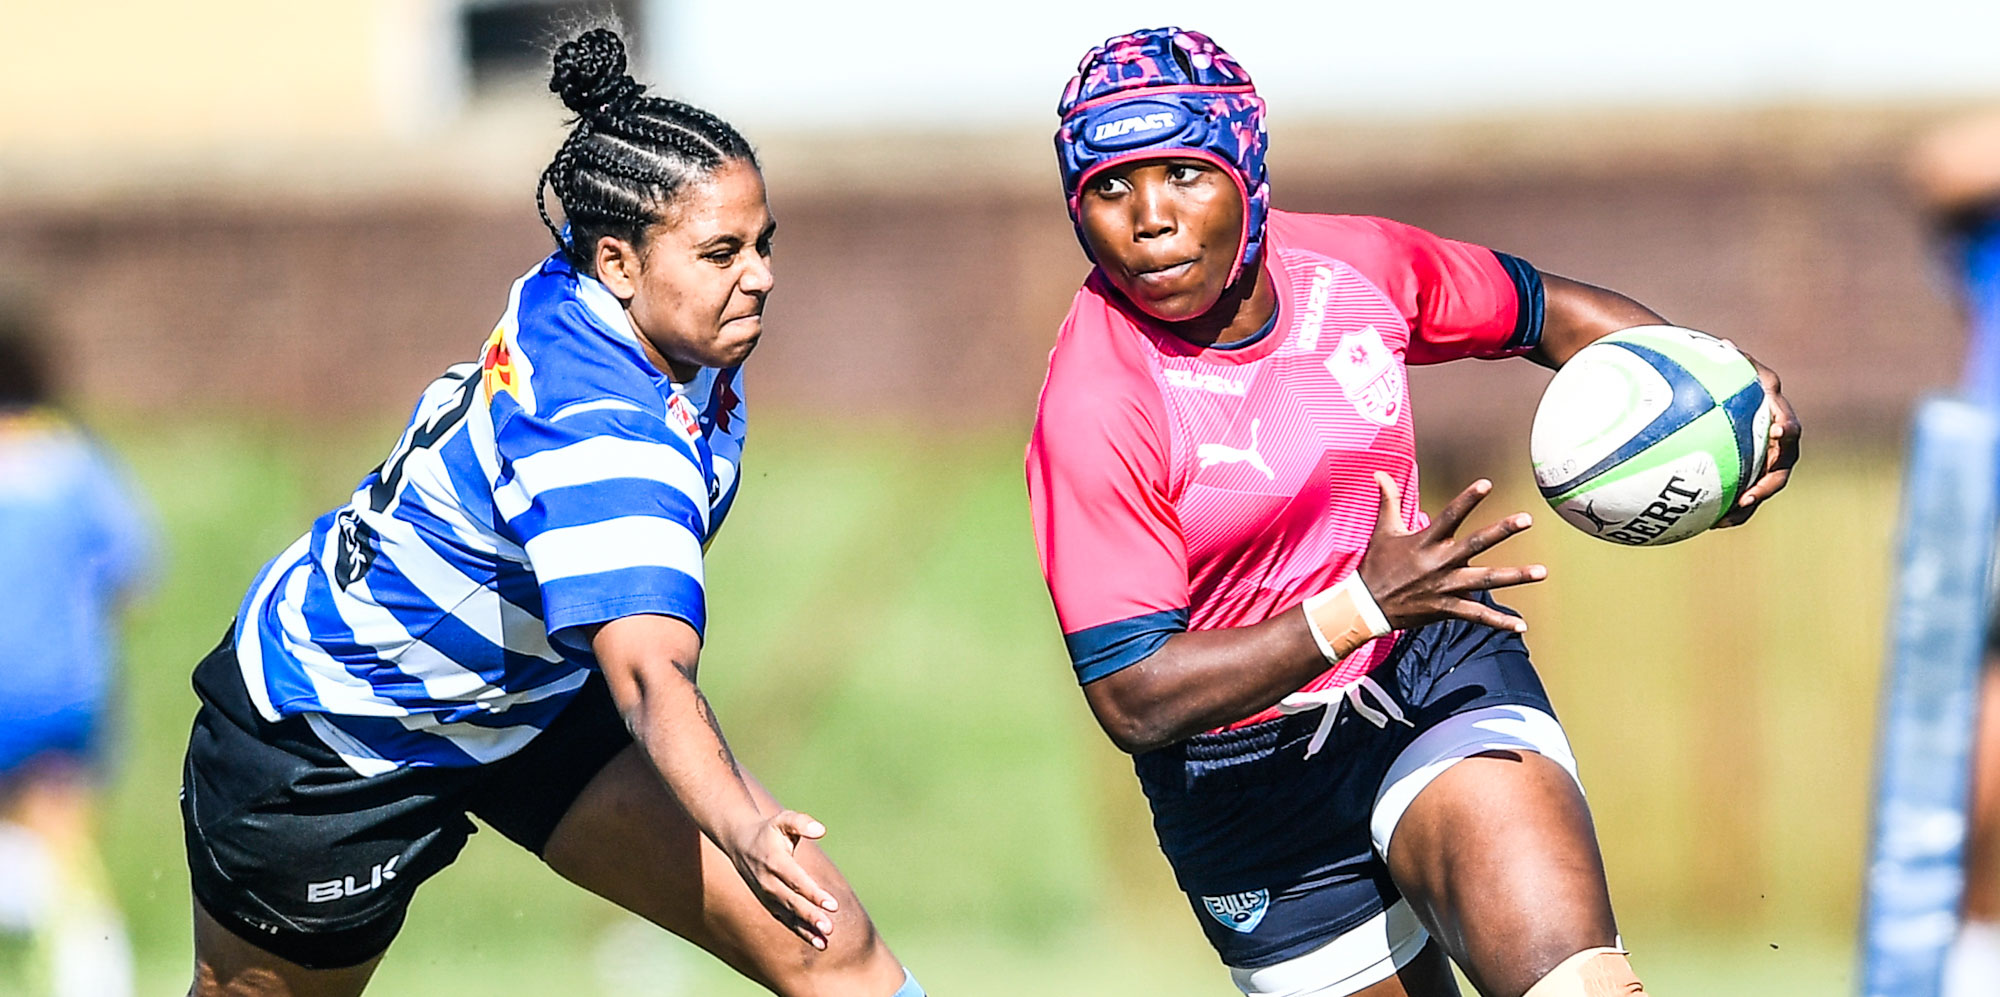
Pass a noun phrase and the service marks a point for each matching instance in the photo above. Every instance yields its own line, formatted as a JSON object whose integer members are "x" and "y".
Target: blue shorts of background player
{"x": 69, "y": 736}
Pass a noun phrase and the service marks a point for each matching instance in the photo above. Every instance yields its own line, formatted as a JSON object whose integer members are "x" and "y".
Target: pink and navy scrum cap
{"x": 1165, "y": 92}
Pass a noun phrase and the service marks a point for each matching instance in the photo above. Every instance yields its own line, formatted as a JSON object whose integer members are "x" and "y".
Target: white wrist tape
{"x": 1599, "y": 972}
{"x": 1344, "y": 617}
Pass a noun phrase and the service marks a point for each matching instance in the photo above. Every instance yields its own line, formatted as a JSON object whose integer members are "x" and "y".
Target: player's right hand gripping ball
{"x": 1649, "y": 435}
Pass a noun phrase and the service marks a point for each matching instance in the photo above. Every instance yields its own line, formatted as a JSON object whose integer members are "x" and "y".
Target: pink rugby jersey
{"x": 1175, "y": 487}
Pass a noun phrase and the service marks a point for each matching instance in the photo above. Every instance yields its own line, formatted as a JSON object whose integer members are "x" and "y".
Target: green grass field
{"x": 882, "y": 655}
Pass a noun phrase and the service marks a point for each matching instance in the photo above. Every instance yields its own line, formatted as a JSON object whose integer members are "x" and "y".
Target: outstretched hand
{"x": 1426, "y": 575}
{"x": 765, "y": 856}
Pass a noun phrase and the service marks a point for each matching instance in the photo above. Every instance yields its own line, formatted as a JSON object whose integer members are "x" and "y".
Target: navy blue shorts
{"x": 291, "y": 850}
{"x": 1273, "y": 848}
{"x": 70, "y": 733}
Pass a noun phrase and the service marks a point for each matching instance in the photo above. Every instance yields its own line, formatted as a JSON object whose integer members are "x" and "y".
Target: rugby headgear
{"x": 1161, "y": 93}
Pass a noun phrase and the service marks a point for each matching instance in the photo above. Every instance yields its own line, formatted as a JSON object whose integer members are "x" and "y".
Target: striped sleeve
{"x": 611, "y": 506}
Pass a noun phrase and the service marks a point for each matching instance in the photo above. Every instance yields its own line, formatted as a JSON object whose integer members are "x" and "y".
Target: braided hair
{"x": 628, "y": 155}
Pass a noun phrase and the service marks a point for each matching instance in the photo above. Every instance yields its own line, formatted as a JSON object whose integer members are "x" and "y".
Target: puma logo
{"x": 1212, "y": 454}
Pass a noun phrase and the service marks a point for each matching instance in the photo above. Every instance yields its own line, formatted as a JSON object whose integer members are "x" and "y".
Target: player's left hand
{"x": 1779, "y": 455}
{"x": 764, "y": 855}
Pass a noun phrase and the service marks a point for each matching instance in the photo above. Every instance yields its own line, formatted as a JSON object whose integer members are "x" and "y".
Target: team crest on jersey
{"x": 501, "y": 369}
{"x": 1239, "y": 912}
{"x": 1369, "y": 374}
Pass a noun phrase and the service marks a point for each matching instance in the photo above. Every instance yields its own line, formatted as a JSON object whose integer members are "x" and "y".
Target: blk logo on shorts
{"x": 340, "y": 889}
{"x": 1239, "y": 912}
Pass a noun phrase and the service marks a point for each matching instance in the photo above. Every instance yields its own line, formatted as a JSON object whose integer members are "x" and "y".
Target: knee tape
{"x": 1601, "y": 972}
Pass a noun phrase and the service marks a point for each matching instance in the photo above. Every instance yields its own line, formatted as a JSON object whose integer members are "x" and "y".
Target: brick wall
{"x": 941, "y": 305}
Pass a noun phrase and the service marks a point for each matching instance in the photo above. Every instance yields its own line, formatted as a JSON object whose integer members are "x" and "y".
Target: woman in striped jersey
{"x": 505, "y": 619}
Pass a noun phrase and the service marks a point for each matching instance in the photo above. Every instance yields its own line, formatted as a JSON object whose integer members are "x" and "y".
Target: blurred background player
{"x": 505, "y": 620}
{"x": 1957, "y": 170}
{"x": 1353, "y": 767}
{"x": 73, "y": 547}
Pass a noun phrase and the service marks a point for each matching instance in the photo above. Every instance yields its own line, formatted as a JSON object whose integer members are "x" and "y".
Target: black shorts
{"x": 1245, "y": 818}
{"x": 301, "y": 856}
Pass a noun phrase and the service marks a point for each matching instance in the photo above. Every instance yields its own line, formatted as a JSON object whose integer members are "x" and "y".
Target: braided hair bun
{"x": 590, "y": 75}
{"x": 628, "y": 155}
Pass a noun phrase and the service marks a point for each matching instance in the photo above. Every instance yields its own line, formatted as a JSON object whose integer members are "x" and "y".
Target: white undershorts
{"x": 1366, "y": 955}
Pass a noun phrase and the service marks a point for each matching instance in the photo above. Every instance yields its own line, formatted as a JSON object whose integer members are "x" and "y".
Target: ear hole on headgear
{"x": 1181, "y": 60}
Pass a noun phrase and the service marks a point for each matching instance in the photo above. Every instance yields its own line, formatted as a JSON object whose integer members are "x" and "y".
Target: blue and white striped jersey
{"x": 559, "y": 481}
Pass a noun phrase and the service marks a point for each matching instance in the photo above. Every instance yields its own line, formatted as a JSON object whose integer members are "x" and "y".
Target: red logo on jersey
{"x": 496, "y": 366}
{"x": 683, "y": 416}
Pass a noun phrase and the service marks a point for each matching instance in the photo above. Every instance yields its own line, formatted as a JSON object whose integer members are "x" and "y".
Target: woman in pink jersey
{"x": 1352, "y": 766}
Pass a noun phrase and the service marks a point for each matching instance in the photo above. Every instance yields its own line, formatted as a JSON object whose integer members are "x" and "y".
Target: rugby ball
{"x": 1649, "y": 435}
